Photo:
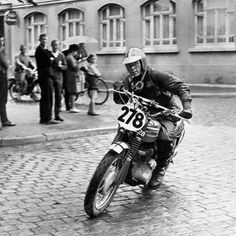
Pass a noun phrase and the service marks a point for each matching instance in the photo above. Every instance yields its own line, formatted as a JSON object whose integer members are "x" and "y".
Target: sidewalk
{"x": 28, "y": 130}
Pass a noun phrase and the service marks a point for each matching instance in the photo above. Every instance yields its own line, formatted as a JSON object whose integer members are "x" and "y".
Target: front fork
{"x": 132, "y": 150}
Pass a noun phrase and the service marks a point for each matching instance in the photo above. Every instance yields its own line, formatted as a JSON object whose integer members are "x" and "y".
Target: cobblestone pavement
{"x": 42, "y": 186}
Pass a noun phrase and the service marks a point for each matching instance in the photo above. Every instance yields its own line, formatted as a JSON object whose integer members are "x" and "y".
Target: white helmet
{"x": 133, "y": 55}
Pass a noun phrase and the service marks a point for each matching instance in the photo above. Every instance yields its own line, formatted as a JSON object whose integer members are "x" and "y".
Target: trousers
{"x": 45, "y": 104}
{"x": 3, "y": 96}
{"x": 57, "y": 85}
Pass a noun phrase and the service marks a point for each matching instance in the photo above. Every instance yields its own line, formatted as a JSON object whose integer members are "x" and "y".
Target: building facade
{"x": 193, "y": 39}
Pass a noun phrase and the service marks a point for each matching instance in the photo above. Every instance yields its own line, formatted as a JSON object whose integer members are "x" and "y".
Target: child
{"x": 92, "y": 76}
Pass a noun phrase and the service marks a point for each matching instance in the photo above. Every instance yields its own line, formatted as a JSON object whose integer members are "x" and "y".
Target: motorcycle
{"x": 133, "y": 154}
{"x": 31, "y": 87}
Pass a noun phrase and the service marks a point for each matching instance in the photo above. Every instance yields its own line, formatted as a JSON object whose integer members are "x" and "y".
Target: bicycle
{"x": 32, "y": 88}
{"x": 102, "y": 95}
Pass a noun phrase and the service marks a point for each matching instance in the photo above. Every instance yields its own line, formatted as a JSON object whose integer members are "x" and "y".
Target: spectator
{"x": 81, "y": 58}
{"x": 3, "y": 85}
{"x": 24, "y": 69}
{"x": 58, "y": 66}
{"x": 64, "y": 87}
{"x": 44, "y": 66}
{"x": 92, "y": 76}
{"x": 72, "y": 75}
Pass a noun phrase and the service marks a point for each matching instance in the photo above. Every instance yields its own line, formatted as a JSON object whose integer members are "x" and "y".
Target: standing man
{"x": 44, "y": 66}
{"x": 3, "y": 85}
{"x": 58, "y": 66}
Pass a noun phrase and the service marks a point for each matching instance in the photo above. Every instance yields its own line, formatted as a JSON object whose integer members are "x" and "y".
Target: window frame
{"x": 215, "y": 46}
{"x": 41, "y": 27}
{"x": 161, "y": 48}
{"x": 107, "y": 22}
{"x": 66, "y": 25}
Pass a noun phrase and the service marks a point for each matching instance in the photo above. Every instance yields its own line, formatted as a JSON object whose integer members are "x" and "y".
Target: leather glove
{"x": 187, "y": 111}
{"x": 118, "y": 85}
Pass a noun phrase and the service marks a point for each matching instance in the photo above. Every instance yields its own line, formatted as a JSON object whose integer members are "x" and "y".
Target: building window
{"x": 159, "y": 23}
{"x": 112, "y": 27}
{"x": 36, "y": 24}
{"x": 71, "y": 24}
{"x": 214, "y": 22}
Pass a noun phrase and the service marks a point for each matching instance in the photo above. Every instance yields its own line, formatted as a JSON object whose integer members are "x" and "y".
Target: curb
{"x": 223, "y": 86}
{"x": 14, "y": 141}
{"x": 201, "y": 85}
{"x": 210, "y": 90}
{"x": 47, "y": 137}
{"x": 207, "y": 95}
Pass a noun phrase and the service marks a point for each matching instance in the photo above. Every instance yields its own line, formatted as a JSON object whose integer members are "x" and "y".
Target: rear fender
{"x": 118, "y": 147}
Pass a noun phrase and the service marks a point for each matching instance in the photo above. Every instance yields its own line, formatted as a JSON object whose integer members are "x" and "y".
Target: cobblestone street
{"x": 42, "y": 186}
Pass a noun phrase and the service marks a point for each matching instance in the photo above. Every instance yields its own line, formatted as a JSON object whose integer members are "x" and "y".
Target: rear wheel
{"x": 103, "y": 184}
{"x": 13, "y": 90}
{"x": 103, "y": 92}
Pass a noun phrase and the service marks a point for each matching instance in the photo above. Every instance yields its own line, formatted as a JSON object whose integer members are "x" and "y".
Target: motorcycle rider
{"x": 159, "y": 86}
{"x": 24, "y": 70}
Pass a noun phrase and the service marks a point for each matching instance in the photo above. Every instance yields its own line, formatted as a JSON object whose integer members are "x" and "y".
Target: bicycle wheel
{"x": 103, "y": 92}
{"x": 13, "y": 90}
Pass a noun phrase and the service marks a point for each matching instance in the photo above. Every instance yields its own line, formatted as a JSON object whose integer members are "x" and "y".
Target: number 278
{"x": 133, "y": 115}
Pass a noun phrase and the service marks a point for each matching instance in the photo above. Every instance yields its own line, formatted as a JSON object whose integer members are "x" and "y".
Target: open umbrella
{"x": 79, "y": 39}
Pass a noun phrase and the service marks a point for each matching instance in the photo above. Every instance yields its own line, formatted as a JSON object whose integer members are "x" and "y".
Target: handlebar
{"x": 149, "y": 102}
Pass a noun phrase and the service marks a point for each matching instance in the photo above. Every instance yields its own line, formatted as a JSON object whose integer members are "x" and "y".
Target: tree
{"x": 28, "y": 1}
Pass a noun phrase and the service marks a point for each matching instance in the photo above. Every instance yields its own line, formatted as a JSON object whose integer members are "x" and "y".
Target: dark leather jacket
{"x": 159, "y": 86}
{"x": 44, "y": 64}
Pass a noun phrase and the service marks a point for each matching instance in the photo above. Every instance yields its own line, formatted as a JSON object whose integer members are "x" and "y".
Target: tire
{"x": 102, "y": 188}
{"x": 13, "y": 90}
{"x": 36, "y": 93}
{"x": 103, "y": 92}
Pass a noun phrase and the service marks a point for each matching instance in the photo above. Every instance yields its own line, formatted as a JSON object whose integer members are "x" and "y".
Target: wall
{"x": 192, "y": 66}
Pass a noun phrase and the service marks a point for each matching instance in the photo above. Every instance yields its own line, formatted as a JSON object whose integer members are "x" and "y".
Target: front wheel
{"x": 13, "y": 90}
{"x": 103, "y": 184}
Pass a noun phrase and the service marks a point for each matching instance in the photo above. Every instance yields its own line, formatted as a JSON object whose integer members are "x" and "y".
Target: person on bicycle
{"x": 24, "y": 70}
{"x": 159, "y": 86}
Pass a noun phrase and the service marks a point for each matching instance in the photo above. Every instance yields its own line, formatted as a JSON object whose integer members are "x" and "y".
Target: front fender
{"x": 118, "y": 147}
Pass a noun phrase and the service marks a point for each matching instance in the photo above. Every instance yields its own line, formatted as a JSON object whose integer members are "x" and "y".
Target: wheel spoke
{"x": 104, "y": 192}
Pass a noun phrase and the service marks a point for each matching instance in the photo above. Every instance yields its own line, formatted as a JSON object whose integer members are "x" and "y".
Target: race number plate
{"x": 131, "y": 118}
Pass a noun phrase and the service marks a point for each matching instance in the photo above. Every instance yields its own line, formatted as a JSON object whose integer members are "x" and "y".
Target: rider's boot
{"x": 165, "y": 149}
